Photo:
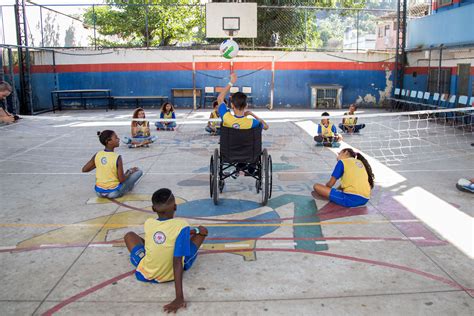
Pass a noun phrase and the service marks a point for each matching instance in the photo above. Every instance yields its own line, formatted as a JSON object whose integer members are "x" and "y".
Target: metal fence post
{"x": 94, "y": 20}
{"x": 305, "y": 29}
{"x": 357, "y": 31}
{"x": 147, "y": 38}
{"x": 42, "y": 28}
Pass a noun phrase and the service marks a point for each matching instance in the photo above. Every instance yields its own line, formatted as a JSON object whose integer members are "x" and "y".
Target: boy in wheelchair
{"x": 238, "y": 120}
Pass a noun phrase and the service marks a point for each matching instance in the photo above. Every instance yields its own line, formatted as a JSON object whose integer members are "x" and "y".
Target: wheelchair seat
{"x": 240, "y": 145}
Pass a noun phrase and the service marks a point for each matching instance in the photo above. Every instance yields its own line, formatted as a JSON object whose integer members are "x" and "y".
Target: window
{"x": 387, "y": 30}
{"x": 395, "y": 25}
{"x": 381, "y": 31}
{"x": 444, "y": 80}
{"x": 464, "y": 72}
{"x": 442, "y": 3}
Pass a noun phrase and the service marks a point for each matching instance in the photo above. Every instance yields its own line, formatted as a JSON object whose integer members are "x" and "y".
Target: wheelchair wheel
{"x": 265, "y": 181}
{"x": 270, "y": 176}
{"x": 215, "y": 177}
{"x": 211, "y": 175}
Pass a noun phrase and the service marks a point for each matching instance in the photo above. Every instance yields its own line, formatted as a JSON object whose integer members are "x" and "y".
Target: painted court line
{"x": 427, "y": 275}
{"x": 326, "y": 242}
{"x": 212, "y": 224}
{"x": 284, "y": 244}
{"x": 237, "y": 245}
{"x": 8, "y": 248}
{"x": 100, "y": 245}
{"x": 33, "y": 148}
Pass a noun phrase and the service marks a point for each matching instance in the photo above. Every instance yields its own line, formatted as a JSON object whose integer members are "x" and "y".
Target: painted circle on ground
{"x": 206, "y": 208}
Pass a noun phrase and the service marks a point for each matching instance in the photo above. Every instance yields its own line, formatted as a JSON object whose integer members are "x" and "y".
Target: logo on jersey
{"x": 159, "y": 238}
{"x": 236, "y": 126}
{"x": 359, "y": 164}
{"x": 103, "y": 160}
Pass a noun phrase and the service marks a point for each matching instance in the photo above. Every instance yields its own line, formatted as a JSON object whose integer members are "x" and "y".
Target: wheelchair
{"x": 241, "y": 150}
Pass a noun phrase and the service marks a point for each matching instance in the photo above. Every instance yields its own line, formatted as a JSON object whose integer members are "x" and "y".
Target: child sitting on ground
{"x": 167, "y": 112}
{"x": 349, "y": 124}
{"x": 357, "y": 180}
{"x": 169, "y": 247}
{"x": 214, "y": 127}
{"x": 140, "y": 131}
{"x": 327, "y": 133}
{"x": 5, "y": 116}
{"x": 111, "y": 181}
{"x": 465, "y": 185}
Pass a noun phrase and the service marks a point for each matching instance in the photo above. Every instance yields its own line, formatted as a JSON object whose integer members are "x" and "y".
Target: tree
{"x": 70, "y": 37}
{"x": 50, "y": 31}
{"x": 294, "y": 24}
{"x": 169, "y": 22}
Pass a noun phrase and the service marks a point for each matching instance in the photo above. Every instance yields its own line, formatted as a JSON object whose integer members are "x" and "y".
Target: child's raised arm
{"x": 90, "y": 165}
{"x": 221, "y": 97}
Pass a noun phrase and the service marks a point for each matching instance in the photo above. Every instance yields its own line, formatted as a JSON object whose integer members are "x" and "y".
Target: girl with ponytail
{"x": 111, "y": 181}
{"x": 357, "y": 180}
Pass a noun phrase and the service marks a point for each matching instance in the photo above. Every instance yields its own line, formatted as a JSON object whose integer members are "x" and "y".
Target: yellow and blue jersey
{"x": 237, "y": 122}
{"x": 143, "y": 129}
{"x": 214, "y": 115}
{"x": 354, "y": 177}
{"x": 106, "y": 171}
{"x": 164, "y": 239}
{"x": 169, "y": 115}
{"x": 350, "y": 121}
{"x": 327, "y": 131}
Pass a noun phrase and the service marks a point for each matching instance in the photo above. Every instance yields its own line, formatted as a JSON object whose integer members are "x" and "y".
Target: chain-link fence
{"x": 176, "y": 26}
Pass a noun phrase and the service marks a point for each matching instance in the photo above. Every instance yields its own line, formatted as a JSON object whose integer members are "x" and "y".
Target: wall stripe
{"x": 211, "y": 66}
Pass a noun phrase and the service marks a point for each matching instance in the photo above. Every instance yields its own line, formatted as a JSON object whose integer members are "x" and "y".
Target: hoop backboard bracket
{"x": 237, "y": 20}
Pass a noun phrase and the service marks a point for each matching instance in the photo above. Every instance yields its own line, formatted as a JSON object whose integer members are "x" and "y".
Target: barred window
{"x": 444, "y": 80}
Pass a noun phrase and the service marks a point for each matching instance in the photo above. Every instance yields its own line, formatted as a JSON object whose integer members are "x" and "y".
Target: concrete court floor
{"x": 61, "y": 249}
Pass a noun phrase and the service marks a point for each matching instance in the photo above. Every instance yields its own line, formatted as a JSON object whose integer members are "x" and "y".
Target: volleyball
{"x": 229, "y": 49}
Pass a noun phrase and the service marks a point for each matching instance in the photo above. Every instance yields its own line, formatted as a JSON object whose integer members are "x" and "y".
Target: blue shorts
{"x": 346, "y": 199}
{"x": 138, "y": 253}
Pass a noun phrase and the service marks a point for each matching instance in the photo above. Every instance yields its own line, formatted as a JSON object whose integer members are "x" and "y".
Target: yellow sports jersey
{"x": 160, "y": 239}
{"x": 350, "y": 121}
{"x": 143, "y": 129}
{"x": 327, "y": 131}
{"x": 215, "y": 116}
{"x": 355, "y": 178}
{"x": 168, "y": 115}
{"x": 237, "y": 122}
{"x": 106, "y": 174}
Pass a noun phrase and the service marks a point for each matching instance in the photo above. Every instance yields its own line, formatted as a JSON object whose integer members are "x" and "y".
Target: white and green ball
{"x": 229, "y": 49}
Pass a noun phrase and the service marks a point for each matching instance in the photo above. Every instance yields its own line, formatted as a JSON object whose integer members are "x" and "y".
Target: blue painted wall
{"x": 292, "y": 87}
{"x": 420, "y": 83}
{"x": 450, "y": 28}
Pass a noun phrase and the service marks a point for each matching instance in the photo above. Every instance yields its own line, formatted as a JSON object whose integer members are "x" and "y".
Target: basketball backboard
{"x": 238, "y": 20}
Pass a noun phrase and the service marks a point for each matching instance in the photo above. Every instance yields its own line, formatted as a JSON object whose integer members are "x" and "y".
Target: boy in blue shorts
{"x": 169, "y": 248}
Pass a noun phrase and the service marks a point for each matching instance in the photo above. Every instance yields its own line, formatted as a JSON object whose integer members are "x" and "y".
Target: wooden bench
{"x": 137, "y": 99}
{"x": 186, "y": 93}
{"x": 57, "y": 96}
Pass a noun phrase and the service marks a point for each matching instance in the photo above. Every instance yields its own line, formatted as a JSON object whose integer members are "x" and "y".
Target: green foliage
{"x": 176, "y": 22}
{"x": 126, "y": 24}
